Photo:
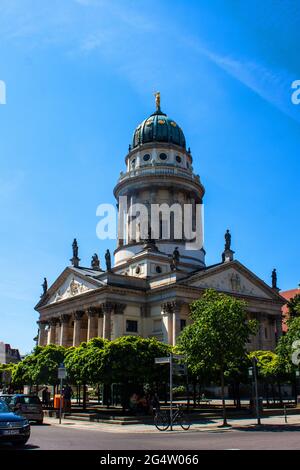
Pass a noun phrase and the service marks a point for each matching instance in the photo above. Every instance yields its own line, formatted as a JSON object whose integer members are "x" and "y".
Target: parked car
{"x": 13, "y": 428}
{"x": 7, "y": 398}
{"x": 29, "y": 406}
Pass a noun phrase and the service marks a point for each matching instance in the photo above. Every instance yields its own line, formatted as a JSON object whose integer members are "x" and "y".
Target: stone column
{"x": 107, "y": 309}
{"x": 52, "y": 330}
{"x": 77, "y": 327}
{"x": 167, "y": 310}
{"x": 172, "y": 309}
{"x": 92, "y": 313}
{"x": 261, "y": 320}
{"x": 278, "y": 323}
{"x": 100, "y": 325}
{"x": 64, "y": 329}
{"x": 118, "y": 328}
{"x": 42, "y": 336}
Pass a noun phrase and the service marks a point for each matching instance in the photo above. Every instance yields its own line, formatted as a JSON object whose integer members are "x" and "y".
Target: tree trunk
{"x": 194, "y": 392}
{"x": 84, "y": 397}
{"x": 223, "y": 398}
{"x": 279, "y": 391}
{"x": 238, "y": 395}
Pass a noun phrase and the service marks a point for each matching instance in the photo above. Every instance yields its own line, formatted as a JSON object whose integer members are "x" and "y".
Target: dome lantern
{"x": 158, "y": 127}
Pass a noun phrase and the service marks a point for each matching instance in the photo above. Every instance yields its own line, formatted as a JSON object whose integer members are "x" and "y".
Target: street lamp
{"x": 252, "y": 372}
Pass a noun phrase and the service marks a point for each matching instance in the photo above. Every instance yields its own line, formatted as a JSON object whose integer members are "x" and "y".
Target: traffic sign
{"x": 162, "y": 360}
{"x": 62, "y": 372}
{"x": 178, "y": 356}
{"x": 179, "y": 369}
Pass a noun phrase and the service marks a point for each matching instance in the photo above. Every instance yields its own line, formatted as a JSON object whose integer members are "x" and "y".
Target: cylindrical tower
{"x": 159, "y": 173}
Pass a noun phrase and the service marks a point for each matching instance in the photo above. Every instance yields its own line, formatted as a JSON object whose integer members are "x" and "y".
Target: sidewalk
{"x": 209, "y": 425}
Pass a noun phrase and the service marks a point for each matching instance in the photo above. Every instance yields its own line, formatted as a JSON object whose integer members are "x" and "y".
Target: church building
{"x": 153, "y": 280}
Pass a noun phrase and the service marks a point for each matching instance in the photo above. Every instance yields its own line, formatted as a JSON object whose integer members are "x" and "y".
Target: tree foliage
{"x": 286, "y": 345}
{"x": 294, "y": 306}
{"x": 219, "y": 333}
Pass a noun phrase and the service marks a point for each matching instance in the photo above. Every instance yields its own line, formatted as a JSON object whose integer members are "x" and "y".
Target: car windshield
{"x": 28, "y": 400}
{"x": 3, "y": 407}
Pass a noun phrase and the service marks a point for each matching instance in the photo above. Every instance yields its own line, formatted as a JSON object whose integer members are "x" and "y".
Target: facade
{"x": 154, "y": 278}
{"x": 8, "y": 355}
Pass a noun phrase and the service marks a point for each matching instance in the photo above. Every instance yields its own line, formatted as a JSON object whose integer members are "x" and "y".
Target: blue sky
{"x": 80, "y": 75}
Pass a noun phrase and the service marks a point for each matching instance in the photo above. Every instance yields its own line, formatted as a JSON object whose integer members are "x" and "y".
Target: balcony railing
{"x": 165, "y": 171}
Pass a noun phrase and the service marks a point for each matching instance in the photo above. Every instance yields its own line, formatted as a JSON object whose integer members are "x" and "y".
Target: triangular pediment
{"x": 70, "y": 283}
{"x": 72, "y": 286}
{"x": 232, "y": 277}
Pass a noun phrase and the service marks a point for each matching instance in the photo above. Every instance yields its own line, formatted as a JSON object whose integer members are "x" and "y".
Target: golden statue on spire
{"x": 157, "y": 100}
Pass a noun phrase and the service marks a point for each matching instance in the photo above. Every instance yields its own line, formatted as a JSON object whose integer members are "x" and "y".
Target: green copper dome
{"x": 158, "y": 128}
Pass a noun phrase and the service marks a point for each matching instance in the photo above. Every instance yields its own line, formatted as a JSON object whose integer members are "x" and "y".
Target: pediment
{"x": 232, "y": 278}
{"x": 72, "y": 287}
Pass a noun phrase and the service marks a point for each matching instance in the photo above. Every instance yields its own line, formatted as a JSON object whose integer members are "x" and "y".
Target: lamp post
{"x": 252, "y": 372}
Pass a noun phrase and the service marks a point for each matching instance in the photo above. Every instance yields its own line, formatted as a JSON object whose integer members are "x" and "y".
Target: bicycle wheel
{"x": 161, "y": 421}
{"x": 185, "y": 422}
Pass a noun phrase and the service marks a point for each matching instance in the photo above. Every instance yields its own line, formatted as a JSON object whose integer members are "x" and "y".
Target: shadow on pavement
{"x": 268, "y": 428}
{"x": 10, "y": 447}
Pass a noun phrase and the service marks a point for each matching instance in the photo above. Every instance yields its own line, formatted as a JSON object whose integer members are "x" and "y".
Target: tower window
{"x": 163, "y": 156}
{"x": 182, "y": 324}
{"x": 178, "y": 159}
{"x": 131, "y": 326}
{"x": 158, "y": 269}
{"x": 146, "y": 157}
{"x": 133, "y": 163}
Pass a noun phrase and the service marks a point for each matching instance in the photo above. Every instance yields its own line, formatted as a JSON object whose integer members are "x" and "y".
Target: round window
{"x": 158, "y": 269}
{"x": 163, "y": 156}
{"x": 146, "y": 157}
{"x": 137, "y": 270}
{"x": 178, "y": 159}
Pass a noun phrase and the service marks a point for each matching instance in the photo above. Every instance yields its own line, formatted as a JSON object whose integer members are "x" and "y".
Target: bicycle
{"x": 162, "y": 419}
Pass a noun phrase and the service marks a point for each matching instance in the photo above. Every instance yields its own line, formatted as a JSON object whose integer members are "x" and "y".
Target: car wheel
{"x": 39, "y": 421}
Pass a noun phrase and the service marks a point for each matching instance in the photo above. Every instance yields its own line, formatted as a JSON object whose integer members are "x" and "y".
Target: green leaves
{"x": 218, "y": 335}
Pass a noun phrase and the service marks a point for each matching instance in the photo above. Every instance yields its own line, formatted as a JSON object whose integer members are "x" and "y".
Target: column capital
{"x": 171, "y": 307}
{"x": 53, "y": 321}
{"x": 119, "y": 309}
{"x": 65, "y": 317}
{"x": 94, "y": 311}
{"x": 78, "y": 314}
{"x": 107, "y": 307}
{"x": 42, "y": 323}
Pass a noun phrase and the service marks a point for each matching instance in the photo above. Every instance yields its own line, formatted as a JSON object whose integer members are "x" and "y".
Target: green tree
{"x": 40, "y": 367}
{"x": 269, "y": 367}
{"x": 129, "y": 360}
{"x": 288, "y": 350}
{"x": 6, "y": 373}
{"x": 84, "y": 364}
{"x": 294, "y": 306}
{"x": 217, "y": 337}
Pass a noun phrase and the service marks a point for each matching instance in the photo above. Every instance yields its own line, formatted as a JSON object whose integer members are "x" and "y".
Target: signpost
{"x": 170, "y": 360}
{"x": 62, "y": 374}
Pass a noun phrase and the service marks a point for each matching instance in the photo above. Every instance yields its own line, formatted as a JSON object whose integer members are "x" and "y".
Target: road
{"x": 67, "y": 437}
